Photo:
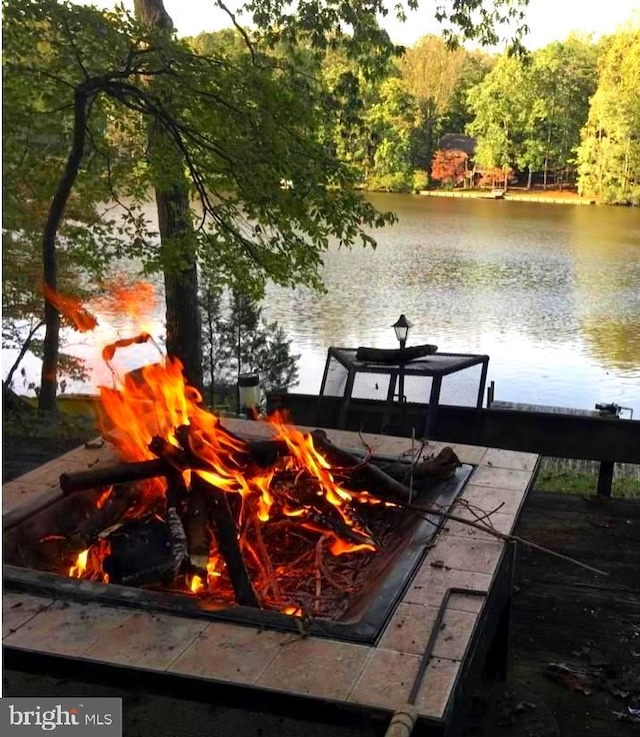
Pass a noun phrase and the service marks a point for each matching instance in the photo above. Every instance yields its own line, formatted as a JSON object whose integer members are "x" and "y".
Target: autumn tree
{"x": 449, "y": 167}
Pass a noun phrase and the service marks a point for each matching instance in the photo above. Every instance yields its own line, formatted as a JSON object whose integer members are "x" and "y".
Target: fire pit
{"x": 305, "y": 536}
{"x": 437, "y": 639}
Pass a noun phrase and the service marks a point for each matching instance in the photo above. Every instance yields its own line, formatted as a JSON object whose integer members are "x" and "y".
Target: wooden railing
{"x": 604, "y": 439}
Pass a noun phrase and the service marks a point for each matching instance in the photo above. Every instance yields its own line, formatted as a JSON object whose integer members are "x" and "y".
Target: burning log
{"x": 104, "y": 516}
{"x": 197, "y": 524}
{"x": 378, "y": 482}
{"x": 141, "y": 553}
{"x": 179, "y": 550}
{"x": 122, "y": 474}
{"x": 227, "y": 537}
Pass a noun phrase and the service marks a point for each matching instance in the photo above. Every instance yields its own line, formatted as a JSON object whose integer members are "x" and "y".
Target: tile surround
{"x": 380, "y": 676}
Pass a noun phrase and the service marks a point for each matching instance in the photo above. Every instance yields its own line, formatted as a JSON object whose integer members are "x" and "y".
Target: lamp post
{"x": 401, "y": 327}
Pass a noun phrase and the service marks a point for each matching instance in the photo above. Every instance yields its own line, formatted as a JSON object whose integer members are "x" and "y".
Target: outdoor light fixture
{"x": 248, "y": 393}
{"x": 401, "y": 326}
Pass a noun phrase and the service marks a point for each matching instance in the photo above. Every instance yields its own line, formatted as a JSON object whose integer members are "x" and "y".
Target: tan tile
{"x": 478, "y": 556}
{"x": 486, "y": 498}
{"x": 229, "y": 652}
{"x": 501, "y": 478}
{"x": 409, "y": 628}
{"x": 386, "y": 680}
{"x": 18, "y": 609}
{"x": 66, "y": 628}
{"x": 248, "y": 427}
{"x": 472, "y": 454}
{"x": 437, "y": 686}
{"x": 455, "y": 634}
{"x": 430, "y": 585}
{"x": 510, "y": 459}
{"x": 322, "y": 668}
{"x": 147, "y": 640}
{"x": 502, "y": 523}
{"x": 18, "y": 492}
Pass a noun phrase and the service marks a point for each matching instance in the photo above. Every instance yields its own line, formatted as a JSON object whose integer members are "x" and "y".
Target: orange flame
{"x": 154, "y": 403}
{"x": 121, "y": 296}
{"x": 77, "y": 570}
{"x": 196, "y": 585}
{"x": 70, "y": 308}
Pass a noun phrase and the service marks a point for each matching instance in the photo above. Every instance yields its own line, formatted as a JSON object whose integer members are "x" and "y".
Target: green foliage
{"x": 609, "y": 154}
{"x": 237, "y": 339}
{"x": 578, "y": 482}
{"x": 528, "y": 111}
{"x": 419, "y": 180}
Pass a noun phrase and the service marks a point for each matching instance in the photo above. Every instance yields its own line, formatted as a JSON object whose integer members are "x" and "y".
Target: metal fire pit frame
{"x": 365, "y": 630}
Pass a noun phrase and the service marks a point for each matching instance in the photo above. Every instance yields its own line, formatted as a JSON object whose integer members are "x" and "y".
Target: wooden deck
{"x": 588, "y": 625}
{"x": 575, "y": 657}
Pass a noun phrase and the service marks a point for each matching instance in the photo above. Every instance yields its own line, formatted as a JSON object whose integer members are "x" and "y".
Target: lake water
{"x": 550, "y": 292}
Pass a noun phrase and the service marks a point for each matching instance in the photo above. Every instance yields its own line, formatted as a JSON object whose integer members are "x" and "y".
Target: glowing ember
{"x": 196, "y": 585}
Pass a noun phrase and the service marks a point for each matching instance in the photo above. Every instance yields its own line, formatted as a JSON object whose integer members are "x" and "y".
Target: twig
{"x": 316, "y": 601}
{"x": 501, "y": 535}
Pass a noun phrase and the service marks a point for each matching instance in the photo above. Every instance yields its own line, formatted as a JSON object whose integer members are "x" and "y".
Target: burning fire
{"x": 288, "y": 513}
{"x": 77, "y": 570}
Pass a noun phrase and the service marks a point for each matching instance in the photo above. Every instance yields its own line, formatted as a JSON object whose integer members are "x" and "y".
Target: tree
{"x": 430, "y": 71}
{"x": 52, "y": 145}
{"x": 565, "y": 79}
{"x": 177, "y": 235}
{"x": 237, "y": 340}
{"x": 449, "y": 167}
{"x": 238, "y": 145}
{"x": 501, "y": 104}
{"x": 240, "y": 127}
{"x": 609, "y": 153}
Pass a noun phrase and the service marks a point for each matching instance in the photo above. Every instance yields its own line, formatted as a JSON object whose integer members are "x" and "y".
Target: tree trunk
{"x": 529, "y": 178}
{"x": 23, "y": 350}
{"x": 184, "y": 338}
{"x": 49, "y": 382}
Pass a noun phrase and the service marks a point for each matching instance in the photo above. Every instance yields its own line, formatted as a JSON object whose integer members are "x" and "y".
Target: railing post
{"x": 605, "y": 478}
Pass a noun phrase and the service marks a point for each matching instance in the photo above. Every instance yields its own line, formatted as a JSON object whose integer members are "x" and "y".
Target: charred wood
{"x": 121, "y": 499}
{"x": 141, "y": 554}
{"x": 179, "y": 548}
{"x": 227, "y": 537}
{"x": 196, "y": 523}
{"x": 364, "y": 474}
{"x": 122, "y": 474}
{"x": 443, "y": 466}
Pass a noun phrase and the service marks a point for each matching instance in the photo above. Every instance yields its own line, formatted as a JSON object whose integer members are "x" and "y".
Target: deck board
{"x": 564, "y": 614}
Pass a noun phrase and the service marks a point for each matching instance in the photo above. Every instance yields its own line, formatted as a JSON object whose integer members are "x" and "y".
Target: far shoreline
{"x": 552, "y": 197}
